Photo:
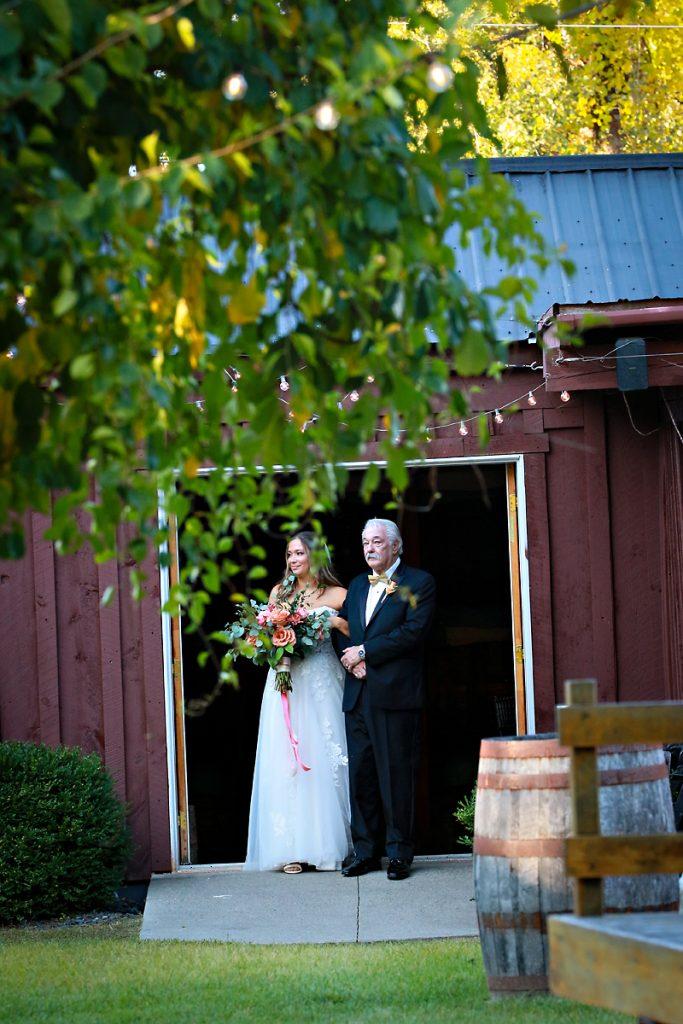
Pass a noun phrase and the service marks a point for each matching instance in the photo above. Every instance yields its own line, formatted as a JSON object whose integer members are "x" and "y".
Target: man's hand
{"x": 350, "y": 657}
{"x": 359, "y": 670}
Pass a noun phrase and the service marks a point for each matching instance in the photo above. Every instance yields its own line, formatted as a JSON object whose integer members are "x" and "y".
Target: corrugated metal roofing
{"x": 620, "y": 218}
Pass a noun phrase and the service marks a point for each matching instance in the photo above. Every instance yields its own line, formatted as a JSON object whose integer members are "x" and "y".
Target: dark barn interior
{"x": 461, "y": 538}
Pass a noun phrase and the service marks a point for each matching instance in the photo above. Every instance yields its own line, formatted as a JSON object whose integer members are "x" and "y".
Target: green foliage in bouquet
{"x": 64, "y": 842}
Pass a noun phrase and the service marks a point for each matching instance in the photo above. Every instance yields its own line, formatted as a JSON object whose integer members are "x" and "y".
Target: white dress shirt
{"x": 376, "y": 593}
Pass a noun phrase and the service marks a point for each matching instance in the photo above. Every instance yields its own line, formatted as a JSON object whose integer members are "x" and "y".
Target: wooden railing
{"x": 627, "y": 962}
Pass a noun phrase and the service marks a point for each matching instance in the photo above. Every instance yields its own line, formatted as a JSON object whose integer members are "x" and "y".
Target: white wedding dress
{"x": 297, "y": 815}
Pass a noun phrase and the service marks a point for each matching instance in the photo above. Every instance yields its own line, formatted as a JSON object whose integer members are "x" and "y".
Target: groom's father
{"x": 389, "y": 613}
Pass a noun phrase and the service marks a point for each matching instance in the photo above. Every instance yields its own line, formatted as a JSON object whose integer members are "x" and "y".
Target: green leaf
{"x": 107, "y": 595}
{"x": 472, "y": 355}
{"x": 29, "y": 403}
{"x": 46, "y": 95}
{"x": 10, "y": 35}
{"x": 59, "y": 13}
{"x": 83, "y": 366}
{"x": 380, "y": 216}
{"x": 542, "y": 14}
{"x": 501, "y": 76}
{"x": 65, "y": 301}
{"x": 12, "y": 544}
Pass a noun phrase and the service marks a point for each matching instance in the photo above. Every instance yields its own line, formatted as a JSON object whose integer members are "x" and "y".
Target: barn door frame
{"x": 172, "y": 640}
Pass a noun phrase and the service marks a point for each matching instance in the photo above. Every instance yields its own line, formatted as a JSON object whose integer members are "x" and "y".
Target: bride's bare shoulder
{"x": 334, "y": 597}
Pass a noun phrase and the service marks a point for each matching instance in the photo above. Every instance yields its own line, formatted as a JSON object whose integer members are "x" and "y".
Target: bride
{"x": 302, "y": 818}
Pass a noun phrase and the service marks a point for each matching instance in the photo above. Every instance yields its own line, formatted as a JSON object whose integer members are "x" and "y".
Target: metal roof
{"x": 619, "y": 217}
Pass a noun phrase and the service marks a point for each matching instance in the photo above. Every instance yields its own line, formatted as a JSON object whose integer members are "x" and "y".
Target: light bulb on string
{"x": 354, "y": 396}
{"x": 132, "y": 171}
{"x": 370, "y": 379}
{"x": 439, "y": 76}
{"x": 326, "y": 116}
{"x": 201, "y": 167}
{"x": 159, "y": 73}
{"x": 531, "y": 398}
{"x": 234, "y": 86}
{"x": 462, "y": 429}
{"x": 284, "y": 383}
{"x": 565, "y": 396}
{"x": 498, "y": 416}
{"x": 234, "y": 388}
{"x": 164, "y": 161}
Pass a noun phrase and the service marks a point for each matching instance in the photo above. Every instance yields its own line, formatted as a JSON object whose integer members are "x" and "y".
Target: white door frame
{"x": 167, "y": 645}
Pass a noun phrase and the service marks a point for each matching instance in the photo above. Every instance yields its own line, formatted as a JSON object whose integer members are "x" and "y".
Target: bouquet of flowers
{"x": 271, "y": 634}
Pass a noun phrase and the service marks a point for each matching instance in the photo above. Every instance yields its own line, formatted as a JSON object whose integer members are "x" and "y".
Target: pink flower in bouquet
{"x": 300, "y": 614}
{"x": 262, "y": 618}
{"x": 279, "y": 616}
{"x": 283, "y": 635}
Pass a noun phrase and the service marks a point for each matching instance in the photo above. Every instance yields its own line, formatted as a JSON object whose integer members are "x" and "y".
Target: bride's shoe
{"x": 293, "y": 869}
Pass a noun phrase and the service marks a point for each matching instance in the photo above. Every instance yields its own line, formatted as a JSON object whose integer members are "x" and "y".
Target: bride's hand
{"x": 338, "y": 623}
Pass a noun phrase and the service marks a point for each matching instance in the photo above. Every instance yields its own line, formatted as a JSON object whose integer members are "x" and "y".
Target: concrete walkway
{"x": 229, "y": 905}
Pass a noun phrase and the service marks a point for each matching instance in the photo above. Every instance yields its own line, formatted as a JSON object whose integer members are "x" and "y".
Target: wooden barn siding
{"x": 81, "y": 675}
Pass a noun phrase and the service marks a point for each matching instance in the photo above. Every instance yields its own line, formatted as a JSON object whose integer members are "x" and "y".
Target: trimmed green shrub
{"x": 64, "y": 841}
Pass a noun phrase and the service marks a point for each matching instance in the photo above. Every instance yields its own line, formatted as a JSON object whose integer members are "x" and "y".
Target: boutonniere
{"x": 392, "y": 586}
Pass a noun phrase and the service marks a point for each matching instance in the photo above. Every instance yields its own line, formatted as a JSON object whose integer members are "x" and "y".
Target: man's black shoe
{"x": 361, "y": 866}
{"x": 398, "y": 869}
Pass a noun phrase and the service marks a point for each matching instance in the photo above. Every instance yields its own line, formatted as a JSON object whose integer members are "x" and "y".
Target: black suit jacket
{"x": 393, "y": 639}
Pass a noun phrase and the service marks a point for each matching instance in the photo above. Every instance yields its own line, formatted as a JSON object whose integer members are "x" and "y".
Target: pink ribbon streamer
{"x": 292, "y": 738}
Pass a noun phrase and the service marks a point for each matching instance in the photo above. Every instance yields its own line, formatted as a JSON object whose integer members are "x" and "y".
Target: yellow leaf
{"x": 232, "y": 220}
{"x": 246, "y": 304}
{"x": 260, "y": 236}
{"x": 334, "y": 249}
{"x": 182, "y": 320}
{"x": 186, "y": 33}
{"x": 149, "y": 146}
{"x": 191, "y": 466}
{"x": 240, "y": 161}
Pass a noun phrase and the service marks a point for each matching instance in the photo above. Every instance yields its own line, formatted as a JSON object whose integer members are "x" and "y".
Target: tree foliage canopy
{"x": 171, "y": 250}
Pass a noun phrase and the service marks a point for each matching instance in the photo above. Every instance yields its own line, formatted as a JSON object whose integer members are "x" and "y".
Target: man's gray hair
{"x": 393, "y": 532}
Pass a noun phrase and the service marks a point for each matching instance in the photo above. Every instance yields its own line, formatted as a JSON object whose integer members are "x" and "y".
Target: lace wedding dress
{"x": 297, "y": 815}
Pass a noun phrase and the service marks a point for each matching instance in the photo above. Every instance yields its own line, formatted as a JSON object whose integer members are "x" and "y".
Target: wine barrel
{"x": 522, "y": 817}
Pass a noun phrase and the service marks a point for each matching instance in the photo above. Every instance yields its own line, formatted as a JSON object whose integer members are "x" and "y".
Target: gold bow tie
{"x": 377, "y": 577}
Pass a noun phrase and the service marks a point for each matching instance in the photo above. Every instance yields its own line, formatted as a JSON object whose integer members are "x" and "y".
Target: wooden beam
{"x": 634, "y": 722}
{"x": 594, "y": 856}
{"x": 634, "y": 964}
{"x": 584, "y": 785}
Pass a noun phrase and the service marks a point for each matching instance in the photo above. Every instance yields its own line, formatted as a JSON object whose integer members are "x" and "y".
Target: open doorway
{"x": 462, "y": 537}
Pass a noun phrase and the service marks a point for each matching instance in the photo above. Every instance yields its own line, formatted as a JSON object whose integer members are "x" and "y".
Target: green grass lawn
{"x": 103, "y": 973}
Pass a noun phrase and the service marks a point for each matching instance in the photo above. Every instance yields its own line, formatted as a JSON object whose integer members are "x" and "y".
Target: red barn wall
{"x": 76, "y": 674}
{"x": 605, "y": 550}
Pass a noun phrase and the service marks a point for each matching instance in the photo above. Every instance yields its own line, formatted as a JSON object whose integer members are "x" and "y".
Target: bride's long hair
{"x": 319, "y": 561}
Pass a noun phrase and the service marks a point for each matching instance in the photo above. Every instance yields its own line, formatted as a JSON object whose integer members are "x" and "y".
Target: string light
{"x": 164, "y": 161}
{"x": 498, "y": 416}
{"x": 159, "y": 73}
{"x": 354, "y": 396}
{"x": 235, "y": 86}
{"x": 132, "y": 171}
{"x": 531, "y": 398}
{"x": 439, "y": 76}
{"x": 463, "y": 429}
{"x": 370, "y": 379}
{"x": 565, "y": 396}
{"x": 201, "y": 167}
{"x": 326, "y": 116}
{"x": 20, "y": 302}
{"x": 284, "y": 383}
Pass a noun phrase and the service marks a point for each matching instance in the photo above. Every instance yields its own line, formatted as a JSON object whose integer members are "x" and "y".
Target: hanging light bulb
{"x": 235, "y": 86}
{"x": 531, "y": 398}
{"x": 236, "y": 374}
{"x": 498, "y": 416}
{"x": 354, "y": 396}
{"x": 201, "y": 167}
{"x": 326, "y": 116}
{"x": 439, "y": 77}
{"x": 164, "y": 161}
{"x": 234, "y": 388}
{"x": 132, "y": 171}
{"x": 284, "y": 383}
{"x": 370, "y": 379}
{"x": 565, "y": 396}
{"x": 462, "y": 429}
{"x": 159, "y": 73}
